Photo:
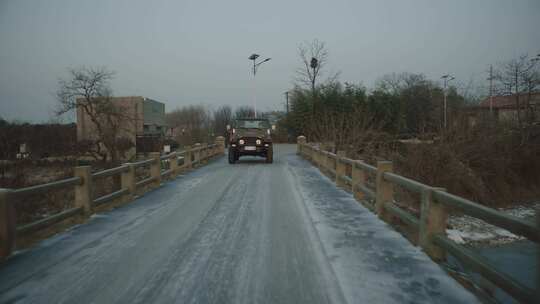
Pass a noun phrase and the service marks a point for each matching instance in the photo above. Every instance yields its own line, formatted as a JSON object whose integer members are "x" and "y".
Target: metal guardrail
{"x": 431, "y": 236}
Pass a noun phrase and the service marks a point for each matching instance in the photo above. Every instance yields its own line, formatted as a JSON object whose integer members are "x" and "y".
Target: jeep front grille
{"x": 250, "y": 141}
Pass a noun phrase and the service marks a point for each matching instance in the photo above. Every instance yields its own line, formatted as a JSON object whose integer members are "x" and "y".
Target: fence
{"x": 430, "y": 227}
{"x": 160, "y": 167}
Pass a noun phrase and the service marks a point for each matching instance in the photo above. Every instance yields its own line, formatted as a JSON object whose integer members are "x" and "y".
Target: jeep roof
{"x": 252, "y": 123}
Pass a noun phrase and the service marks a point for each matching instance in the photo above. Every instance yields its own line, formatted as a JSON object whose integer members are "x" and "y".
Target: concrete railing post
{"x": 433, "y": 220}
{"x": 197, "y": 154}
{"x": 220, "y": 142}
{"x": 332, "y": 163}
{"x": 8, "y": 224}
{"x": 181, "y": 167}
{"x": 358, "y": 178}
{"x": 127, "y": 181}
{"x": 300, "y": 140}
{"x": 202, "y": 154}
{"x": 173, "y": 160}
{"x": 83, "y": 191}
{"x": 326, "y": 162}
{"x": 341, "y": 169}
{"x": 187, "y": 158}
{"x": 385, "y": 191}
{"x": 155, "y": 169}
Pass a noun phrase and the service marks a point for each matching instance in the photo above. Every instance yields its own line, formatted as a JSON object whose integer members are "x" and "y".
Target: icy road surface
{"x": 245, "y": 233}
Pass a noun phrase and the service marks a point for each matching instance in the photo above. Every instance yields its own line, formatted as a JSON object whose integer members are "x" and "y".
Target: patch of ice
{"x": 467, "y": 229}
{"x": 455, "y": 235}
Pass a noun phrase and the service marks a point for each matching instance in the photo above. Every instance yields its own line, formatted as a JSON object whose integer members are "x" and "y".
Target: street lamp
{"x": 446, "y": 79}
{"x": 256, "y": 64}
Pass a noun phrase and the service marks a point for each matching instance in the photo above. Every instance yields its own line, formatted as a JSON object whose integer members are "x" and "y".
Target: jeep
{"x": 250, "y": 136}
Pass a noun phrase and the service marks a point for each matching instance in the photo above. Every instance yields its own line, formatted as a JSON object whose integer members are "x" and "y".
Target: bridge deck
{"x": 247, "y": 233}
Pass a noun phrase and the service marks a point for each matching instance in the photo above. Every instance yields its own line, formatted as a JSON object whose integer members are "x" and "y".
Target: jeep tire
{"x": 232, "y": 156}
{"x": 270, "y": 155}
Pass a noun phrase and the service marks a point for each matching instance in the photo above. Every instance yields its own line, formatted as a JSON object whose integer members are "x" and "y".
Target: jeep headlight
{"x": 241, "y": 142}
{"x": 258, "y": 142}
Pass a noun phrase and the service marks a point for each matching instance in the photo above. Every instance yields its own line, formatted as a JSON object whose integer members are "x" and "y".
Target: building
{"x": 142, "y": 118}
{"x": 504, "y": 108}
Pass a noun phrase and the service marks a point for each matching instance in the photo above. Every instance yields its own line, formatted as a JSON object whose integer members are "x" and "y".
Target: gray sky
{"x": 195, "y": 52}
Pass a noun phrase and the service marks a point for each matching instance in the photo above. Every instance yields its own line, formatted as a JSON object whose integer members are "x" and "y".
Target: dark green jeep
{"x": 250, "y": 136}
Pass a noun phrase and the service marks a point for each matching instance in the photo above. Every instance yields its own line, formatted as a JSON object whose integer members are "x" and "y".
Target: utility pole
{"x": 446, "y": 79}
{"x": 491, "y": 88}
{"x": 287, "y": 116}
{"x": 287, "y": 102}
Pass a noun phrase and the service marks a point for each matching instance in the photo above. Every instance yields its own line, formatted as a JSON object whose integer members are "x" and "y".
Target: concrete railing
{"x": 160, "y": 167}
{"x": 430, "y": 227}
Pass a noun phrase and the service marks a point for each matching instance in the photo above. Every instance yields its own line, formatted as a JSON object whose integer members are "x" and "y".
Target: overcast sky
{"x": 195, "y": 52}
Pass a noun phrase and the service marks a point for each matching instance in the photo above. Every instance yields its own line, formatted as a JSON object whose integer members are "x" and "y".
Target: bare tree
{"x": 222, "y": 118}
{"x": 88, "y": 90}
{"x": 314, "y": 56}
{"x": 417, "y": 101}
{"x": 518, "y": 77}
{"x": 244, "y": 112}
{"x": 192, "y": 124}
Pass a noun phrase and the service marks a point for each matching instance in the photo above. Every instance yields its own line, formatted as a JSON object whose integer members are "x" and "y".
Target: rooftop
{"x": 509, "y": 101}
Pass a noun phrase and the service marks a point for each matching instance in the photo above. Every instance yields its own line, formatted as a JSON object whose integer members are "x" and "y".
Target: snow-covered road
{"x": 244, "y": 233}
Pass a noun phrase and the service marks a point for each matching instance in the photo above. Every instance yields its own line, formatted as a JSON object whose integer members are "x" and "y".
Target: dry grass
{"x": 489, "y": 164}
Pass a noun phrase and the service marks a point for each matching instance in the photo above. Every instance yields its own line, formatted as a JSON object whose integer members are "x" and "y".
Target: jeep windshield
{"x": 252, "y": 124}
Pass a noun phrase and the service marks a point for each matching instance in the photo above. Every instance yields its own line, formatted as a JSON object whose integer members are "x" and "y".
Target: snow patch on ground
{"x": 465, "y": 229}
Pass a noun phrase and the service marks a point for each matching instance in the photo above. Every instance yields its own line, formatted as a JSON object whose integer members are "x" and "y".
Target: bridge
{"x": 245, "y": 233}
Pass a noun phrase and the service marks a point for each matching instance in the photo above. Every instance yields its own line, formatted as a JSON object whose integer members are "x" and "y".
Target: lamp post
{"x": 446, "y": 79}
{"x": 287, "y": 102}
{"x": 256, "y": 64}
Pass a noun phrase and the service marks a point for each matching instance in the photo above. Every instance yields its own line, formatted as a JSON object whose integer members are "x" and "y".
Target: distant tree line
{"x": 399, "y": 105}
{"x": 192, "y": 124}
{"x": 342, "y": 113}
